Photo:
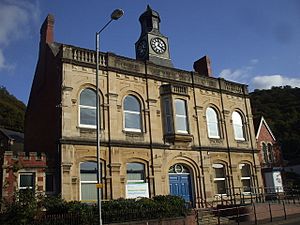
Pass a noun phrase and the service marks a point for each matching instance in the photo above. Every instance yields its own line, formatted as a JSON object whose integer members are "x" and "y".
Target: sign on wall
{"x": 137, "y": 189}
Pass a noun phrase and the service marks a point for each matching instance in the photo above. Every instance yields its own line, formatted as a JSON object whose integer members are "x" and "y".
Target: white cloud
{"x": 16, "y": 20}
{"x": 238, "y": 75}
{"x": 245, "y": 75}
{"x": 268, "y": 81}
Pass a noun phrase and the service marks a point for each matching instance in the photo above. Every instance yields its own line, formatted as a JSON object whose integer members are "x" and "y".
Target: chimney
{"x": 202, "y": 66}
{"x": 47, "y": 30}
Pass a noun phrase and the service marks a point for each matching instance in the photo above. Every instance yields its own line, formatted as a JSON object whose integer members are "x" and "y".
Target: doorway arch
{"x": 180, "y": 182}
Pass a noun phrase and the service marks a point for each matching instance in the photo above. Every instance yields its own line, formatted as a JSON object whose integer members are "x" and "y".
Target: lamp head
{"x": 116, "y": 14}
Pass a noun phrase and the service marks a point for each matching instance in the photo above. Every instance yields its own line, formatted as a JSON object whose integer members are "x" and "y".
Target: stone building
{"x": 163, "y": 130}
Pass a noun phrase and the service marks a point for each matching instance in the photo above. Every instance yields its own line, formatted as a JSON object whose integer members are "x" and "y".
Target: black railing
{"x": 260, "y": 204}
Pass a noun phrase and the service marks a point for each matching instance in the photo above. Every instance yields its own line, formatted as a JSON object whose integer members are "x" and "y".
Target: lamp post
{"x": 116, "y": 14}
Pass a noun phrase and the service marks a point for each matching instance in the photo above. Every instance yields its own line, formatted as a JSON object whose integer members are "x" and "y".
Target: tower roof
{"x": 149, "y": 13}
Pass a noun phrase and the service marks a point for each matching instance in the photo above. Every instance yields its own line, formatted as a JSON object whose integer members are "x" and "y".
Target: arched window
{"x": 245, "y": 177}
{"x": 132, "y": 114}
{"x": 88, "y": 181}
{"x": 87, "y": 108}
{"x": 265, "y": 152}
{"x": 220, "y": 179}
{"x": 270, "y": 153}
{"x": 238, "y": 126}
{"x": 181, "y": 116}
{"x": 212, "y": 123}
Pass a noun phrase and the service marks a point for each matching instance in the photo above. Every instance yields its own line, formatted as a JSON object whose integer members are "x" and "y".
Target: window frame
{"x": 215, "y": 123}
{"x": 184, "y": 116}
{"x": 218, "y": 179}
{"x": 168, "y": 116}
{"x": 87, "y": 182}
{"x": 52, "y": 183}
{"x": 80, "y": 106}
{"x": 142, "y": 173}
{"x": 240, "y": 126}
{"x": 131, "y": 112}
{"x": 33, "y": 174}
{"x": 249, "y": 178}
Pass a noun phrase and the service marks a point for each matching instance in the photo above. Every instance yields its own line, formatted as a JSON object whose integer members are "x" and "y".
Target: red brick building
{"x": 270, "y": 157}
{"x": 23, "y": 171}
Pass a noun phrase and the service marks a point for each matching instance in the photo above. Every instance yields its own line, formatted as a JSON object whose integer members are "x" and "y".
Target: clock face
{"x": 142, "y": 48}
{"x": 158, "y": 45}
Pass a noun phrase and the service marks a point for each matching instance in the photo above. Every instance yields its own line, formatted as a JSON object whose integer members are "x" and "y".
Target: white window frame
{"x": 218, "y": 166}
{"x": 181, "y": 116}
{"x": 134, "y": 113}
{"x": 28, "y": 187}
{"x": 238, "y": 125}
{"x": 215, "y": 123}
{"x": 245, "y": 178}
{"x": 87, "y": 107}
{"x": 144, "y": 173}
{"x": 86, "y": 182}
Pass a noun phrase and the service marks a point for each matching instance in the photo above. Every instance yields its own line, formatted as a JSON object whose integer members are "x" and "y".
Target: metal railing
{"x": 260, "y": 204}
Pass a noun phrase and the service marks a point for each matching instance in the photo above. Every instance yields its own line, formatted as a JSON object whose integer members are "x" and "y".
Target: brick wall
{"x": 14, "y": 165}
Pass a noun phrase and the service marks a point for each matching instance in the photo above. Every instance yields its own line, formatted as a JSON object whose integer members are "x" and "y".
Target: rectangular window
{"x": 245, "y": 177}
{"x": 219, "y": 180}
{"x": 27, "y": 181}
{"x": 49, "y": 183}
{"x": 87, "y": 116}
{"x": 88, "y": 181}
{"x": 167, "y": 116}
{"x": 181, "y": 116}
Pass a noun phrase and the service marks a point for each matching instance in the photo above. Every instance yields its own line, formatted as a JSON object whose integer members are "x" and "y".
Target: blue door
{"x": 180, "y": 185}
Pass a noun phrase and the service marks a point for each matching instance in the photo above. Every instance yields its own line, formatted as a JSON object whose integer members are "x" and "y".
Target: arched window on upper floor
{"x": 132, "y": 114}
{"x": 212, "y": 123}
{"x": 87, "y": 108}
{"x": 238, "y": 126}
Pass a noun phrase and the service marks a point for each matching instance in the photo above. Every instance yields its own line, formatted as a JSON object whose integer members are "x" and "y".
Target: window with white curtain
{"x": 212, "y": 123}
{"x": 132, "y": 114}
{"x": 87, "y": 108}
{"x": 88, "y": 181}
{"x": 238, "y": 126}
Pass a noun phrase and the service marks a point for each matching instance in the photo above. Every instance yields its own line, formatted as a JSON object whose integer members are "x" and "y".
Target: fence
{"x": 254, "y": 207}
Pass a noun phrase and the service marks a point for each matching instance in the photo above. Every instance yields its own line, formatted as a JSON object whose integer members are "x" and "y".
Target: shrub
{"x": 27, "y": 208}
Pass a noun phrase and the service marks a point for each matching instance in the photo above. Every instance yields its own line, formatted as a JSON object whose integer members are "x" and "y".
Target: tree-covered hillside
{"x": 12, "y": 111}
{"x": 280, "y": 106}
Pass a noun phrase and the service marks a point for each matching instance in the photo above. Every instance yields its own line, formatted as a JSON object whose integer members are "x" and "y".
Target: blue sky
{"x": 253, "y": 42}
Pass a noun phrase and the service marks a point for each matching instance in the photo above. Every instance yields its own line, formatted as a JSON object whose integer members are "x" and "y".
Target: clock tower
{"x": 152, "y": 45}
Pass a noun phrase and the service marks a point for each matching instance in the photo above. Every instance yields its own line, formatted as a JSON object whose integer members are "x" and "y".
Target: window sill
{"x": 178, "y": 137}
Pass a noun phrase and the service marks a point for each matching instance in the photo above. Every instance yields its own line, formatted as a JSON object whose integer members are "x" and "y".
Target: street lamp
{"x": 116, "y": 14}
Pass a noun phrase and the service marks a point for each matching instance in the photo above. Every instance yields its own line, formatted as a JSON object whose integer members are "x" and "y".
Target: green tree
{"x": 12, "y": 111}
{"x": 280, "y": 106}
